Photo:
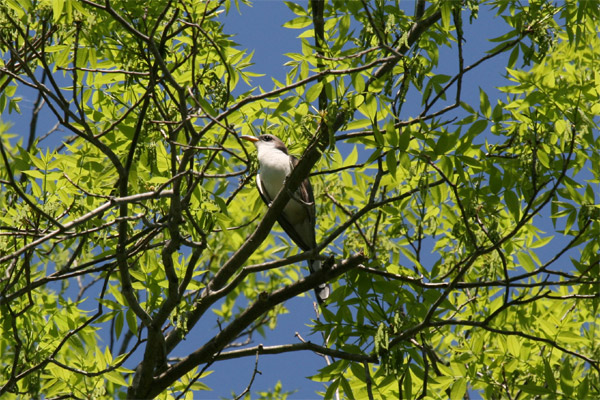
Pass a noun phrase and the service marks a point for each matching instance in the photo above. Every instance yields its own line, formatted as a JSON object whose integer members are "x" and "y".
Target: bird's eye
{"x": 267, "y": 138}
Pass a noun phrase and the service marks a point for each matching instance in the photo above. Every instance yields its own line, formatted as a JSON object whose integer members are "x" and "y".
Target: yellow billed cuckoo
{"x": 298, "y": 216}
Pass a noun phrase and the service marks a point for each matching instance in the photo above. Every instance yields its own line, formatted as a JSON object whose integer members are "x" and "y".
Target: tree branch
{"x": 264, "y": 302}
{"x": 287, "y": 348}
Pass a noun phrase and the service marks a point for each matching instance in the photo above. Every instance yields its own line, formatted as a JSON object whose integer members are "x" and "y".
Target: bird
{"x": 298, "y": 216}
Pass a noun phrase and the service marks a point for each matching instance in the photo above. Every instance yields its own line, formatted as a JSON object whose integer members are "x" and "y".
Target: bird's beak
{"x": 250, "y": 138}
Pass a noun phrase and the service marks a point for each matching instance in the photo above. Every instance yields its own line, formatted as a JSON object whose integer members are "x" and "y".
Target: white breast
{"x": 274, "y": 168}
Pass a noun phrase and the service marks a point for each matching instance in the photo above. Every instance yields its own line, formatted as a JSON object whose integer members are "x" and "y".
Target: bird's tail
{"x": 323, "y": 290}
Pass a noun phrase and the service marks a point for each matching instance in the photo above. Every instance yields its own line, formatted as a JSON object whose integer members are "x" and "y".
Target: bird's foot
{"x": 328, "y": 263}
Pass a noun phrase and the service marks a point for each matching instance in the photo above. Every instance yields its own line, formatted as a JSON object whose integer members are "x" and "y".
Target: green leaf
{"x": 359, "y": 371}
{"x": 369, "y": 107}
{"x": 379, "y": 139}
{"x": 20, "y": 9}
{"x": 526, "y": 261}
{"x": 206, "y": 106}
{"x": 446, "y": 9}
{"x": 331, "y": 371}
{"x": 352, "y": 157}
{"x": 467, "y": 107}
{"x": 447, "y": 167}
{"x": 571, "y": 218}
{"x": 506, "y": 36}
{"x": 57, "y": 8}
{"x": 358, "y": 124}
{"x": 10, "y": 90}
{"x": 512, "y": 59}
{"x": 583, "y": 388}
{"x": 404, "y": 140}
{"x": 298, "y": 23}
{"x": 544, "y": 159}
{"x": 484, "y": 104}
{"x": 541, "y": 242}
{"x": 459, "y": 388}
{"x": 391, "y": 133}
{"x": 514, "y": 346}
{"x": 495, "y": 180}
{"x": 347, "y": 389}
{"x": 445, "y": 143}
{"x": 374, "y": 156}
{"x": 534, "y": 389}
{"x": 549, "y": 376}
{"x": 35, "y": 173}
{"x": 314, "y": 91}
{"x": 119, "y": 320}
{"x": 285, "y": 105}
{"x": 477, "y": 127}
{"x": 296, "y": 8}
{"x": 513, "y": 204}
{"x": 131, "y": 321}
{"x": 331, "y": 389}
{"x": 392, "y": 164}
{"x": 116, "y": 378}
{"x": 358, "y": 81}
{"x": 407, "y": 385}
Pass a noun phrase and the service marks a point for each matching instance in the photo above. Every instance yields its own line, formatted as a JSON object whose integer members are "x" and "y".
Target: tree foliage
{"x": 462, "y": 240}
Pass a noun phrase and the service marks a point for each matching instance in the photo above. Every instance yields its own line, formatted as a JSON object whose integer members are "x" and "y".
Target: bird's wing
{"x": 305, "y": 192}
{"x": 263, "y": 193}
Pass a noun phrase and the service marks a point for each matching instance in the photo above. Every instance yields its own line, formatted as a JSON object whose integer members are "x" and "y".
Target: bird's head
{"x": 266, "y": 142}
